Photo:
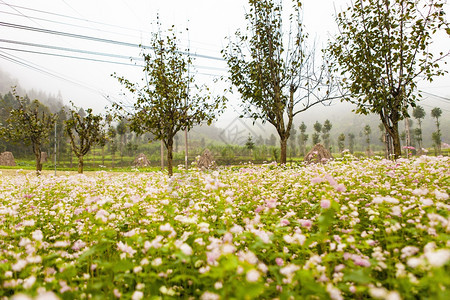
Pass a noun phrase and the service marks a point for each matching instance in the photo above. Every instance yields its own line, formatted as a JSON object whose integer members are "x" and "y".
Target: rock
{"x": 206, "y": 160}
{"x": 7, "y": 159}
{"x": 318, "y": 154}
{"x": 141, "y": 161}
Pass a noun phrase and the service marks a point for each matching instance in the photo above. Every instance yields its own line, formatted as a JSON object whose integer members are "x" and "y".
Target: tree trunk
{"x": 283, "y": 144}
{"x": 170, "y": 156}
{"x": 80, "y": 164}
{"x": 37, "y": 154}
{"x": 396, "y": 141}
{"x": 103, "y": 155}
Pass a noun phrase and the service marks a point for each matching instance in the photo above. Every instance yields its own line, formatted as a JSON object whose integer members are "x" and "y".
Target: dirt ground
{"x": 15, "y": 172}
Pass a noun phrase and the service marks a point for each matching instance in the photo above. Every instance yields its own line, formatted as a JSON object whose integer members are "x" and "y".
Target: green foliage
{"x": 30, "y": 122}
{"x": 164, "y": 106}
{"x": 380, "y": 53}
{"x": 277, "y": 73}
{"x": 83, "y": 132}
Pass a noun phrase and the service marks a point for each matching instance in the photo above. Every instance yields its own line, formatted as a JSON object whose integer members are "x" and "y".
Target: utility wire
{"x": 95, "y": 39}
{"x": 437, "y": 96}
{"x": 88, "y": 21}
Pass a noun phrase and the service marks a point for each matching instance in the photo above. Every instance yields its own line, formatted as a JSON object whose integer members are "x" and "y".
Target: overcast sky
{"x": 86, "y": 83}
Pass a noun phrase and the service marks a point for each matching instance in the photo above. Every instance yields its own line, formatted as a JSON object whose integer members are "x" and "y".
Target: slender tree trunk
{"x": 103, "y": 155}
{"x": 80, "y": 164}
{"x": 283, "y": 145}
{"x": 396, "y": 141}
{"x": 37, "y": 154}
{"x": 170, "y": 156}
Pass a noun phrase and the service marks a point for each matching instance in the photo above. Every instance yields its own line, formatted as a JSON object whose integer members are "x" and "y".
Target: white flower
{"x": 379, "y": 293}
{"x": 289, "y": 269}
{"x": 47, "y": 296}
{"x": 209, "y": 296}
{"x": 393, "y": 296}
{"x": 37, "y": 235}
{"x": 438, "y": 258}
{"x": 19, "y": 265}
{"x": 414, "y": 262}
{"x": 137, "y": 295}
{"x": 186, "y": 249}
{"x": 125, "y": 248}
{"x": 157, "y": 262}
{"x": 28, "y": 282}
{"x": 252, "y": 275}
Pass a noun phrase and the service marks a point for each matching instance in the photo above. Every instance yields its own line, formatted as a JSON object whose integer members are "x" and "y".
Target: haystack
{"x": 7, "y": 159}
{"x": 206, "y": 160}
{"x": 318, "y": 154}
{"x": 44, "y": 157}
{"x": 141, "y": 161}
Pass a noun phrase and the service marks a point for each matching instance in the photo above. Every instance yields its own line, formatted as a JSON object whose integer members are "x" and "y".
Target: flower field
{"x": 350, "y": 229}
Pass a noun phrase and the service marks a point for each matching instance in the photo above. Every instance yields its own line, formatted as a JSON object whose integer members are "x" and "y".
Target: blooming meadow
{"x": 349, "y": 229}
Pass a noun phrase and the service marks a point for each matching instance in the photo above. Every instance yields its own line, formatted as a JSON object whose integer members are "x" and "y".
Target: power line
{"x": 437, "y": 96}
{"x": 95, "y": 39}
{"x": 88, "y": 52}
{"x": 88, "y": 21}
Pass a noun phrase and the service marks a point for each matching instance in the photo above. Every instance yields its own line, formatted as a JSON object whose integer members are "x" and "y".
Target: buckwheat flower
{"x": 209, "y": 296}
{"x": 228, "y": 249}
{"x": 140, "y": 286}
{"x": 144, "y": 262}
{"x": 117, "y": 294}
{"x": 8, "y": 274}
{"x": 252, "y": 275}
{"x": 306, "y": 223}
{"x": 340, "y": 187}
{"x": 440, "y": 195}
{"x": 325, "y": 203}
{"x": 409, "y": 251}
{"x": 335, "y": 293}
{"x": 157, "y": 262}
{"x": 379, "y": 293}
{"x": 28, "y": 223}
{"x": 130, "y": 233}
{"x": 289, "y": 269}
{"x": 279, "y": 261}
{"x": 438, "y": 258}
{"x": 218, "y": 285}
{"x": 414, "y": 262}
{"x": 21, "y": 297}
{"x": 137, "y": 269}
{"x": 19, "y": 265}
{"x": 236, "y": 229}
{"x": 61, "y": 244}
{"x": 186, "y": 249}
{"x": 227, "y": 237}
{"x": 37, "y": 235}
{"x": 165, "y": 227}
{"x": 79, "y": 244}
{"x": 393, "y": 295}
{"x": 28, "y": 282}
{"x": 427, "y": 202}
{"x": 24, "y": 242}
{"x": 137, "y": 295}
{"x": 125, "y": 248}
{"x": 46, "y": 296}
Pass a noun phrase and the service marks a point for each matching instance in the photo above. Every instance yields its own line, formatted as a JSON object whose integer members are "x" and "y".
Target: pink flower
{"x": 306, "y": 223}
{"x": 340, "y": 187}
{"x": 325, "y": 203}
{"x": 279, "y": 261}
{"x": 259, "y": 209}
{"x": 285, "y": 222}
{"x": 317, "y": 180}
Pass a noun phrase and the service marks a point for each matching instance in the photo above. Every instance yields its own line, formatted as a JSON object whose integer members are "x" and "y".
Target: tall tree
{"x": 351, "y": 142}
{"x": 382, "y": 51}
{"x": 367, "y": 132}
{"x": 419, "y": 114}
{"x": 29, "y": 122}
{"x": 83, "y": 132}
{"x": 341, "y": 142}
{"x": 436, "y": 113}
{"x": 316, "y": 135}
{"x": 163, "y": 105}
{"x": 276, "y": 75}
{"x": 303, "y": 137}
{"x": 326, "y": 133}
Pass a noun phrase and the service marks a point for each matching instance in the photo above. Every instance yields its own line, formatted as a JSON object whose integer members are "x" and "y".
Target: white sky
{"x": 209, "y": 22}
